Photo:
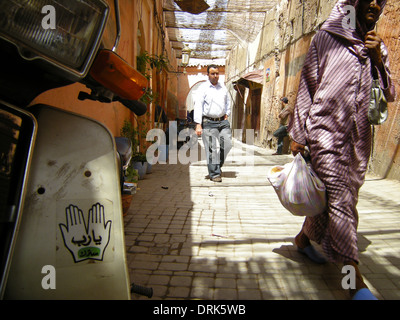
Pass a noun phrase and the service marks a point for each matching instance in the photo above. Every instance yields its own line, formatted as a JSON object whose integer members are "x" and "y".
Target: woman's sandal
{"x": 364, "y": 294}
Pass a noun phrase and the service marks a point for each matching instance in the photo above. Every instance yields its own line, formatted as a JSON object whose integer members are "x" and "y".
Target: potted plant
{"x": 132, "y": 175}
{"x": 130, "y": 132}
{"x": 130, "y": 185}
{"x": 144, "y": 144}
{"x": 139, "y": 163}
{"x": 151, "y": 158}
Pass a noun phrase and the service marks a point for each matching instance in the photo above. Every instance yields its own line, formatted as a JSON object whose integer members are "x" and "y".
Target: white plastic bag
{"x": 298, "y": 188}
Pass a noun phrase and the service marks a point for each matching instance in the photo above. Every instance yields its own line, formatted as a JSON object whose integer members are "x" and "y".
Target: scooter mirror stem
{"x": 137, "y": 107}
{"x": 118, "y": 25}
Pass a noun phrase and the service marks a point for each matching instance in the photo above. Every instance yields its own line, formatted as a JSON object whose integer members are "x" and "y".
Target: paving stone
{"x": 158, "y": 280}
{"x": 225, "y": 294}
{"x": 185, "y": 281}
{"x": 178, "y": 292}
{"x": 249, "y": 294}
{"x": 234, "y": 240}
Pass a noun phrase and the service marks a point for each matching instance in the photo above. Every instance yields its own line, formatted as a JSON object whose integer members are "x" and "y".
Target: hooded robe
{"x": 330, "y": 117}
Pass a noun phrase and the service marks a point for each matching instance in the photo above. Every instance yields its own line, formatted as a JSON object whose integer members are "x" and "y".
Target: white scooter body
{"x": 70, "y": 242}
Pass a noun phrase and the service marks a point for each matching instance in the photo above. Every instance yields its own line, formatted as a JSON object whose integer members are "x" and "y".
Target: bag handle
{"x": 374, "y": 72}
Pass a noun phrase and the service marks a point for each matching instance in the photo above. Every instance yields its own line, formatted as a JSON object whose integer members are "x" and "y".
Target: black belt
{"x": 214, "y": 119}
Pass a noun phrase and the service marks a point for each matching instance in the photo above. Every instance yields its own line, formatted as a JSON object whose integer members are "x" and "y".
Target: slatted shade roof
{"x": 212, "y": 27}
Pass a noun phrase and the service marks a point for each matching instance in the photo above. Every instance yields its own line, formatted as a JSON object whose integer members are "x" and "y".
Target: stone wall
{"x": 281, "y": 47}
{"x": 385, "y": 159}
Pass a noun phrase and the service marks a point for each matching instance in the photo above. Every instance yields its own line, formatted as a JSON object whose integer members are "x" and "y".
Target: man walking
{"x": 211, "y": 111}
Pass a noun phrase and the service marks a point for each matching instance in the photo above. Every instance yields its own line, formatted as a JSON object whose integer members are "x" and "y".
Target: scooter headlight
{"x": 64, "y": 32}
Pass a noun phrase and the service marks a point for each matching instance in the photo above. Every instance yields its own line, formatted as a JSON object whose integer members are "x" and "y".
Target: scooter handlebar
{"x": 144, "y": 291}
{"x": 136, "y": 106}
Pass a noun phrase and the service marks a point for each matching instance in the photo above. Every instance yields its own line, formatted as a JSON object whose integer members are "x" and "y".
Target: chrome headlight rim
{"x": 29, "y": 53}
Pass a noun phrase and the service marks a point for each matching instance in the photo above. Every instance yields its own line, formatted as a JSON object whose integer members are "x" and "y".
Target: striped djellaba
{"x": 330, "y": 117}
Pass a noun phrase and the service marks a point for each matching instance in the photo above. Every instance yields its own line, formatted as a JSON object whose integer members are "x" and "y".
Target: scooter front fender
{"x": 70, "y": 243}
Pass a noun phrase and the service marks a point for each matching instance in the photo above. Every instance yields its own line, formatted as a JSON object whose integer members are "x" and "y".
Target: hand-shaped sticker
{"x": 74, "y": 233}
{"x": 86, "y": 241}
{"x": 98, "y": 229}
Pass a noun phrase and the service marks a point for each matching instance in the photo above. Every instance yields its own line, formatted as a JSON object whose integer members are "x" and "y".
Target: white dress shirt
{"x": 211, "y": 101}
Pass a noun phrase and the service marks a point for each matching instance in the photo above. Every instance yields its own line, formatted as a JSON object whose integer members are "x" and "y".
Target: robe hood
{"x": 338, "y": 18}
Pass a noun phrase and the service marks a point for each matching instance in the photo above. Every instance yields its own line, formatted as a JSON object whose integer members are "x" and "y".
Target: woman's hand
{"x": 373, "y": 43}
{"x": 297, "y": 147}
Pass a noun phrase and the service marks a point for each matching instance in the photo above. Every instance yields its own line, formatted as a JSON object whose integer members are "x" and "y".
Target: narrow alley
{"x": 90, "y": 89}
{"x": 190, "y": 238}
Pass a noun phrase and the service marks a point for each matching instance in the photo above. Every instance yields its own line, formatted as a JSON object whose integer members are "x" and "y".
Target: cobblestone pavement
{"x": 190, "y": 238}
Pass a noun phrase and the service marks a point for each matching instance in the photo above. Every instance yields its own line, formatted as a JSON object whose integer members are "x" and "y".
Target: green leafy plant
{"x": 130, "y": 132}
{"x": 149, "y": 96}
{"x": 137, "y": 137}
{"x": 141, "y": 63}
{"x": 157, "y": 62}
{"x": 131, "y": 174}
{"x": 139, "y": 157}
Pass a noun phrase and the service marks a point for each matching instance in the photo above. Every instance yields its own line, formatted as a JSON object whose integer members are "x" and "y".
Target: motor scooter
{"x": 61, "y": 222}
